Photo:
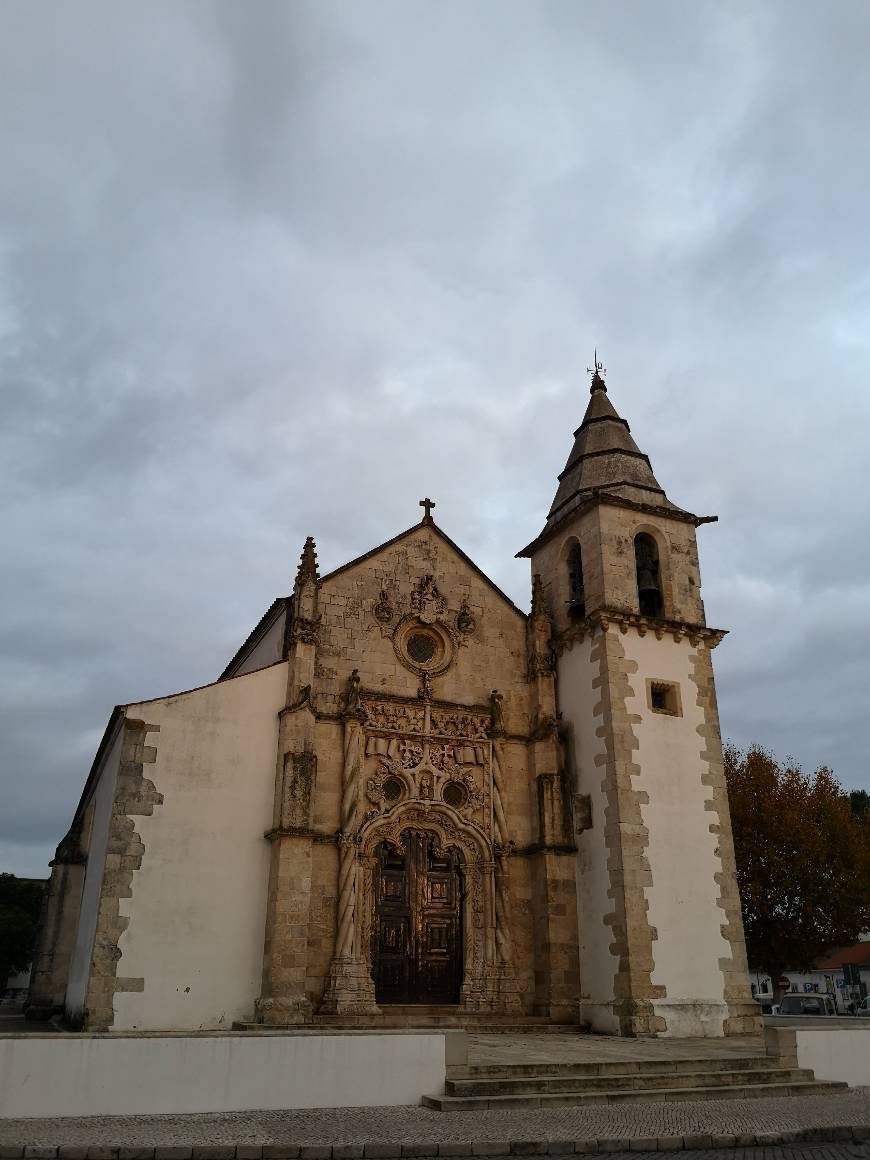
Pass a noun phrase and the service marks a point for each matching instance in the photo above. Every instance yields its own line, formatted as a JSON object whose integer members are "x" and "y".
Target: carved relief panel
{"x": 428, "y": 753}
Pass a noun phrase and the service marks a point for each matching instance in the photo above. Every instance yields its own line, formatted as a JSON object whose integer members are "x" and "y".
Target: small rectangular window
{"x": 664, "y": 697}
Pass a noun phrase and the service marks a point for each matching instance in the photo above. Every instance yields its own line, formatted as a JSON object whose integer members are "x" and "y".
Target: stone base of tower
{"x": 743, "y": 1018}
{"x": 678, "y": 1019}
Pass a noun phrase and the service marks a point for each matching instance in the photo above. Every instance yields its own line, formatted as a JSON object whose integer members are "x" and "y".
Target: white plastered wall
{"x": 577, "y": 701}
{"x": 198, "y": 906}
{"x": 84, "y": 1075}
{"x": 104, "y": 794}
{"x": 683, "y": 898}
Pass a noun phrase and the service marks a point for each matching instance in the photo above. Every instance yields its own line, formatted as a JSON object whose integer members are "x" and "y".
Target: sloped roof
{"x": 265, "y": 622}
{"x": 856, "y": 956}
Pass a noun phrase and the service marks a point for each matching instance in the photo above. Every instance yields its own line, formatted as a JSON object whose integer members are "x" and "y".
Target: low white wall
{"x": 837, "y": 1051}
{"x": 91, "y": 1075}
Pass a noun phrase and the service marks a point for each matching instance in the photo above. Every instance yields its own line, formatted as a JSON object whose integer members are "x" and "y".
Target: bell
{"x": 649, "y": 599}
{"x": 646, "y": 578}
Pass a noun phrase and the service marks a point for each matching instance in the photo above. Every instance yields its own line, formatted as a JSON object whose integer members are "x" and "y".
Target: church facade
{"x": 406, "y": 796}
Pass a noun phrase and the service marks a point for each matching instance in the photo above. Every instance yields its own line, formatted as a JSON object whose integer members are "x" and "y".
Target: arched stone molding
{"x": 451, "y": 831}
{"x": 664, "y": 551}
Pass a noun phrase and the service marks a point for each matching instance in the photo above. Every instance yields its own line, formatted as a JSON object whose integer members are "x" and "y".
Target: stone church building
{"x": 406, "y": 797}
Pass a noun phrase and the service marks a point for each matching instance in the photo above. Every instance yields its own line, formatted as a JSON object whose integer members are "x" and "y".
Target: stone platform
{"x": 397, "y": 1017}
{"x": 637, "y": 1124}
{"x": 486, "y": 1048}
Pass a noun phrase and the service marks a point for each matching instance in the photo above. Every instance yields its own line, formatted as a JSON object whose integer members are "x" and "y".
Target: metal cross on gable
{"x": 428, "y": 504}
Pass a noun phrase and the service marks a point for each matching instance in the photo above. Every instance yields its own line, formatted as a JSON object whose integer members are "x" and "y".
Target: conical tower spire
{"x": 604, "y": 459}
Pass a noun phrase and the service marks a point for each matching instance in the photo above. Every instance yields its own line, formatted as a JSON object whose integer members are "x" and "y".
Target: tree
{"x": 20, "y": 905}
{"x": 803, "y": 860}
{"x": 860, "y": 800}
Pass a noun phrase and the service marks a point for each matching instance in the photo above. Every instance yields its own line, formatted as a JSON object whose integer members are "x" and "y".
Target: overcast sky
{"x": 278, "y": 269}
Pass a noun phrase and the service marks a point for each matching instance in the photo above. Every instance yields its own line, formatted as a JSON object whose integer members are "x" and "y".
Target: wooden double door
{"x": 417, "y": 952}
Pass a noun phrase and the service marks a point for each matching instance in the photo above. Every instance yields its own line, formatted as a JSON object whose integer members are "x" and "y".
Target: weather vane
{"x": 597, "y": 367}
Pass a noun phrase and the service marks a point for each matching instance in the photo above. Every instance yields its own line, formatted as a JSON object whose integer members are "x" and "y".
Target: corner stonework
{"x": 626, "y": 839}
{"x": 743, "y": 1017}
{"x": 135, "y": 795}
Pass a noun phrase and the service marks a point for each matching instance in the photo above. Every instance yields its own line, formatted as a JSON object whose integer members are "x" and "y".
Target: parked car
{"x": 863, "y": 1007}
{"x": 812, "y": 1004}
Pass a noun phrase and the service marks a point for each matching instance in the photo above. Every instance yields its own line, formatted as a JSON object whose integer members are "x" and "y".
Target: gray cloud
{"x": 284, "y": 269}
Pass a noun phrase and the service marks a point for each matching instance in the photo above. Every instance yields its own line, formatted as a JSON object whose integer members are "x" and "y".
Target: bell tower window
{"x": 649, "y": 582}
{"x": 576, "y": 594}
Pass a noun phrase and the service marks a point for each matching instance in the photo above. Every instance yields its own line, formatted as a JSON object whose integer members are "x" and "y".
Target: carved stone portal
{"x": 425, "y": 769}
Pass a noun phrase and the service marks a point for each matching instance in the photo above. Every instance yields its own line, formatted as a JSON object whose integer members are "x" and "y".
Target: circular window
{"x": 421, "y": 647}
{"x": 455, "y": 795}
{"x": 392, "y": 790}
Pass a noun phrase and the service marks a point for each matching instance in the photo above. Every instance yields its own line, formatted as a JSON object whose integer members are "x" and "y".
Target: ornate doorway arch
{"x": 448, "y": 836}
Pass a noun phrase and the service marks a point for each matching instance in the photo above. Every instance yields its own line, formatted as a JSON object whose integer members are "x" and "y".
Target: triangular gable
{"x": 432, "y": 526}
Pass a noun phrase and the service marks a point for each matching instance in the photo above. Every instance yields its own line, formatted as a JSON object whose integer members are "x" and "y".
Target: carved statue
{"x": 496, "y": 707}
{"x": 465, "y": 621}
{"x": 353, "y": 693}
{"x": 427, "y": 601}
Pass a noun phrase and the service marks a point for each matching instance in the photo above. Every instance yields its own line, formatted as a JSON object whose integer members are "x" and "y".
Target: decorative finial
{"x": 598, "y": 371}
{"x": 308, "y": 563}
{"x": 539, "y": 601}
{"x": 428, "y": 504}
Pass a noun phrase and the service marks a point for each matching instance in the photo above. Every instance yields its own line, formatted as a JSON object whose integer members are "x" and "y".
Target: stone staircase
{"x": 550, "y": 1085}
{"x": 397, "y": 1017}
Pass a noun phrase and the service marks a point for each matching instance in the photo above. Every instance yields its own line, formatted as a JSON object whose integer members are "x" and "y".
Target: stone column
{"x": 349, "y": 985}
{"x": 500, "y": 984}
{"x": 554, "y": 883}
{"x": 283, "y": 1001}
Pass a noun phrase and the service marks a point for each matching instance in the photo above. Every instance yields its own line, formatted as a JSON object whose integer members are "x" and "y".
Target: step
{"x": 659, "y": 1095}
{"x": 489, "y": 1024}
{"x": 614, "y": 1067}
{"x": 633, "y": 1081}
{"x": 480, "y": 1023}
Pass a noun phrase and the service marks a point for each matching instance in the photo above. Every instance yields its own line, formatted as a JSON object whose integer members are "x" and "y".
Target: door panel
{"x": 417, "y": 950}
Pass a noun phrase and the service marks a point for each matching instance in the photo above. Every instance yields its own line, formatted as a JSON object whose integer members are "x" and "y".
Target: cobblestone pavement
{"x": 692, "y": 1122}
{"x": 580, "y": 1048}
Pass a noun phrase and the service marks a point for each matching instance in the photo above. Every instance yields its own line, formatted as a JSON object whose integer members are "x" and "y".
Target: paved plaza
{"x": 816, "y": 1127}
{"x": 689, "y": 1123}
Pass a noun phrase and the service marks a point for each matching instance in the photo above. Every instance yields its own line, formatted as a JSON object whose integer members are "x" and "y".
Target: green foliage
{"x": 20, "y": 905}
{"x": 803, "y": 860}
{"x": 860, "y": 800}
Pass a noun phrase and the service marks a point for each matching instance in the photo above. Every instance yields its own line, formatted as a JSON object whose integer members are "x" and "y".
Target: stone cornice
{"x": 301, "y": 832}
{"x": 601, "y": 621}
{"x": 541, "y": 848}
{"x": 603, "y": 496}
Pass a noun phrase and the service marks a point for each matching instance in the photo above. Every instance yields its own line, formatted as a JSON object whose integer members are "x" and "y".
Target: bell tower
{"x": 661, "y": 937}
